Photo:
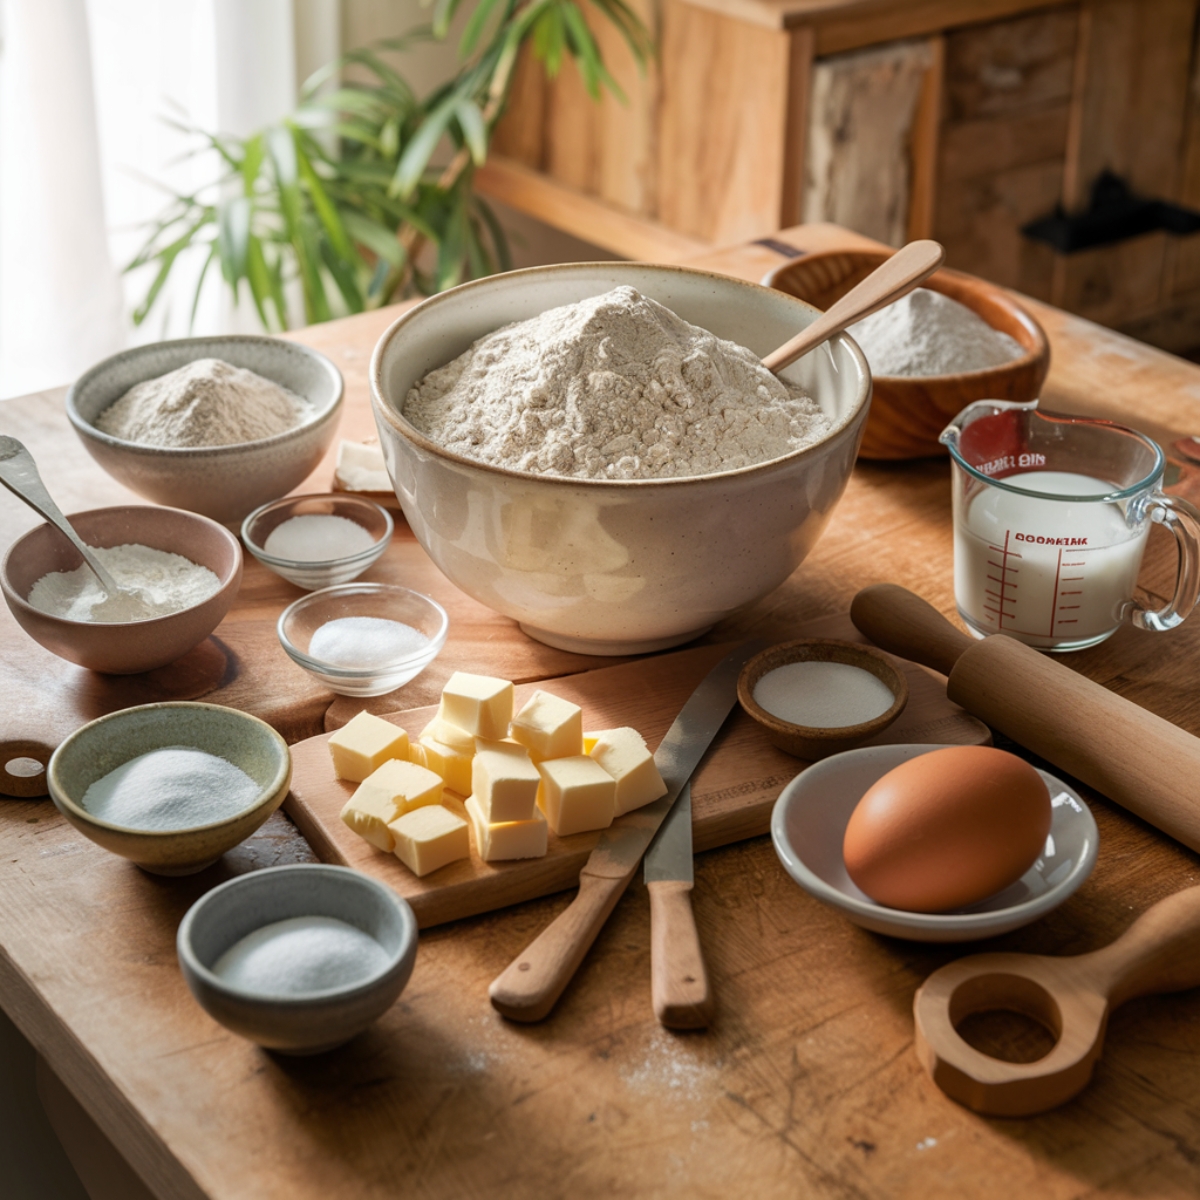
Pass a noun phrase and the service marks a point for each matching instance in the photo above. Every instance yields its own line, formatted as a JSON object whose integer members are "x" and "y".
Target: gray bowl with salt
{"x": 283, "y": 1003}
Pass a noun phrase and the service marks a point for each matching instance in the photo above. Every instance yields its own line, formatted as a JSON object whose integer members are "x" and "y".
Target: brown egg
{"x": 947, "y": 829}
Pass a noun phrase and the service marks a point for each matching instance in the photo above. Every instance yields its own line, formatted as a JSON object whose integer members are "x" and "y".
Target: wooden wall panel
{"x": 860, "y": 126}
{"x": 1184, "y": 254}
{"x": 1026, "y": 62}
{"x": 520, "y": 136}
{"x": 1003, "y": 142}
{"x": 1127, "y": 116}
{"x": 724, "y": 125}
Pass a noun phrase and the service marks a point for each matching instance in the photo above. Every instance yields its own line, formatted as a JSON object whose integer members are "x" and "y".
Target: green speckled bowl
{"x": 102, "y": 745}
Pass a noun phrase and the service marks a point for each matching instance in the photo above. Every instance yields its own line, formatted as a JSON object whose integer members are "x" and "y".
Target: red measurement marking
{"x": 1057, "y": 573}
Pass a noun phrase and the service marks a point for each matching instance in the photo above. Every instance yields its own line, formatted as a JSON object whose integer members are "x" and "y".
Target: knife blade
{"x": 679, "y": 986}
{"x": 530, "y": 986}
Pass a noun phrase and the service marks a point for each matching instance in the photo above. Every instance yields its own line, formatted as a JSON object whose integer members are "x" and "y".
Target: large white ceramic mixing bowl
{"x": 616, "y": 566}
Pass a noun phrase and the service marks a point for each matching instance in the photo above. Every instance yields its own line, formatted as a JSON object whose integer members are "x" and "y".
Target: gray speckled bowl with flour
{"x": 222, "y": 482}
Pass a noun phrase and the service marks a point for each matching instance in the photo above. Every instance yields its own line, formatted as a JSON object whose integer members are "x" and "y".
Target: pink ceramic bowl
{"x": 128, "y": 647}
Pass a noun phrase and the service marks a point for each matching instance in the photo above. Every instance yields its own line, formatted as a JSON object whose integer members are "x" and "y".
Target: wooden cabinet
{"x": 962, "y": 120}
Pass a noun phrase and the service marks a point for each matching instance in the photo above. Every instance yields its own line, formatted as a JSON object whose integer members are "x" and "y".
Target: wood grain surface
{"x": 733, "y": 790}
{"x": 805, "y": 1085}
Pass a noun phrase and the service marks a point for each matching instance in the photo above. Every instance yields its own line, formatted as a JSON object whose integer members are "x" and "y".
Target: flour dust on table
{"x": 614, "y": 387}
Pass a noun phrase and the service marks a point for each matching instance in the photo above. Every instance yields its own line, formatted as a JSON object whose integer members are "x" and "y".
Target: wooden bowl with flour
{"x": 909, "y": 412}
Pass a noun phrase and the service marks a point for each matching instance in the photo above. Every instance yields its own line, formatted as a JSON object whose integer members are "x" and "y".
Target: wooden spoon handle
{"x": 902, "y": 623}
{"x": 893, "y": 278}
{"x": 1159, "y": 952}
{"x": 531, "y": 984}
{"x": 679, "y": 984}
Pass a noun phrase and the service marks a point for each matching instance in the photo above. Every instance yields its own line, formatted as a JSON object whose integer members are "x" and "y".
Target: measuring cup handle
{"x": 1183, "y": 520}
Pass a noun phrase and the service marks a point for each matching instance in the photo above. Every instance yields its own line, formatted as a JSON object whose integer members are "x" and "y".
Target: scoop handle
{"x": 1159, "y": 952}
{"x": 894, "y": 277}
{"x": 902, "y": 623}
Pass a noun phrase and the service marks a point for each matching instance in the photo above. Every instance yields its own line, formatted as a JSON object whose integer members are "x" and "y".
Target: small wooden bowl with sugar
{"x": 908, "y": 412}
{"x": 819, "y": 696}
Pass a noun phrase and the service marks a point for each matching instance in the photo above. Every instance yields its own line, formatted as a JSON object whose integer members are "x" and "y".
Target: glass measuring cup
{"x": 1051, "y": 517}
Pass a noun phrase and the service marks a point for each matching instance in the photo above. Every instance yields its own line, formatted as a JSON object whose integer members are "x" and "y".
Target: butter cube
{"x": 478, "y": 704}
{"x": 387, "y": 793}
{"x": 504, "y": 781}
{"x": 430, "y": 837}
{"x": 624, "y": 755}
{"x": 365, "y": 743}
{"x": 449, "y": 735}
{"x": 452, "y": 765}
{"x": 549, "y": 727}
{"x": 589, "y": 741}
{"x": 500, "y": 842}
{"x": 577, "y": 794}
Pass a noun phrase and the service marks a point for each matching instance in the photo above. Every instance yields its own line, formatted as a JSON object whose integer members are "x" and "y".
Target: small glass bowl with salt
{"x": 318, "y": 541}
{"x": 363, "y": 639}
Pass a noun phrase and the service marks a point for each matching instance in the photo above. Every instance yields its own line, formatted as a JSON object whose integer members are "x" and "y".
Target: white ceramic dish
{"x": 312, "y": 574}
{"x": 221, "y": 482}
{"x": 616, "y": 566}
{"x": 809, "y": 823}
{"x": 299, "y": 621}
{"x": 311, "y": 1022}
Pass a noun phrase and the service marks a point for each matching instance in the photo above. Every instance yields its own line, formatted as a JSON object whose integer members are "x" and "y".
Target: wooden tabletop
{"x": 806, "y": 1085}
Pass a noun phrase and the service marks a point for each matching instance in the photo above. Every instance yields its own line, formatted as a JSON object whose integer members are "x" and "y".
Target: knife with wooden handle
{"x": 679, "y": 987}
{"x": 530, "y": 986}
{"x": 1138, "y": 760}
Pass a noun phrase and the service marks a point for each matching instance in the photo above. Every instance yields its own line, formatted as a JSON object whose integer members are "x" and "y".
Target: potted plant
{"x": 353, "y": 194}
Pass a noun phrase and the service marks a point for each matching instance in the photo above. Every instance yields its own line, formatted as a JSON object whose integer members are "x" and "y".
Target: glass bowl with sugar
{"x": 363, "y": 639}
{"x": 318, "y": 541}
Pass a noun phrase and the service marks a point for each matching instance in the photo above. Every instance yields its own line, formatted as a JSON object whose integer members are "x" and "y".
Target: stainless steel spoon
{"x": 19, "y": 473}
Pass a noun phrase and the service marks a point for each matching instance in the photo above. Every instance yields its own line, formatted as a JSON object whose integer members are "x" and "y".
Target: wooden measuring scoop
{"x": 1072, "y": 997}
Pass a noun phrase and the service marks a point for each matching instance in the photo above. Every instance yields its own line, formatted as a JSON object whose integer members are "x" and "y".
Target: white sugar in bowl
{"x": 616, "y": 566}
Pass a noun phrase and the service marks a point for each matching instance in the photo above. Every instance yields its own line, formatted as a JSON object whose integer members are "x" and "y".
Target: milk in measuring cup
{"x": 1048, "y": 573}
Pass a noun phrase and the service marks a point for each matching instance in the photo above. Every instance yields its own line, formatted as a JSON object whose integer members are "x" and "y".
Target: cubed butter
{"x": 549, "y": 727}
{"x": 478, "y": 704}
{"x": 624, "y": 755}
{"x": 387, "y": 793}
{"x": 504, "y": 781}
{"x": 430, "y": 837}
{"x": 589, "y": 741}
{"x": 452, "y": 765}
{"x": 449, "y": 735}
{"x": 364, "y": 744}
{"x": 505, "y": 840}
{"x": 577, "y": 794}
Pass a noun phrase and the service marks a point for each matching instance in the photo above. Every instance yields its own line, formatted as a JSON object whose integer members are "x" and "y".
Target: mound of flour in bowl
{"x": 614, "y": 387}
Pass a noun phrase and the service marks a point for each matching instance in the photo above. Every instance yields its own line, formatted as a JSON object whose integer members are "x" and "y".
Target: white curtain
{"x": 85, "y": 153}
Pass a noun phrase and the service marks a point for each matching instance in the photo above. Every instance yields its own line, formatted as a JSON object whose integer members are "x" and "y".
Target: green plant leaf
{"x": 496, "y": 231}
{"x": 417, "y": 153}
{"x": 327, "y": 213}
{"x": 380, "y": 240}
{"x": 199, "y": 291}
{"x": 470, "y": 121}
{"x": 233, "y": 232}
{"x": 252, "y": 161}
{"x": 343, "y": 276}
{"x": 475, "y": 26}
{"x": 258, "y": 278}
{"x": 443, "y": 14}
{"x": 550, "y": 39}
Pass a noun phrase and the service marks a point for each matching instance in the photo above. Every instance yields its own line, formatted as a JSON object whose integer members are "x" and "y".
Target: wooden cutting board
{"x": 733, "y": 791}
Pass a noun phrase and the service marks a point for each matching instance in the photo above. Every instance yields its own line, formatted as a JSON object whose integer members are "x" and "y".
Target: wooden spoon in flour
{"x": 889, "y": 281}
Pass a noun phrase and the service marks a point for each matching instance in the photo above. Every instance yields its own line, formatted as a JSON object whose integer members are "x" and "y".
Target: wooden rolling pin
{"x": 1136, "y": 759}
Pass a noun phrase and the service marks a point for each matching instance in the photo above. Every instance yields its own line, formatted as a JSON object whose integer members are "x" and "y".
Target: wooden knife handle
{"x": 902, "y": 623}
{"x": 679, "y": 985}
{"x": 531, "y": 984}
